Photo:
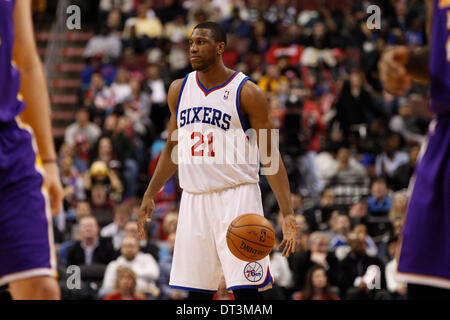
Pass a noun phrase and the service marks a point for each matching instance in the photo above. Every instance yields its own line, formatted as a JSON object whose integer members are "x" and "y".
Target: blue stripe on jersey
{"x": 244, "y": 124}
{"x": 181, "y": 92}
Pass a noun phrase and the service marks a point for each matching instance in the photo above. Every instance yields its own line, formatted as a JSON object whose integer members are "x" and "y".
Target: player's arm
{"x": 165, "y": 168}
{"x": 34, "y": 91}
{"x": 254, "y": 104}
{"x": 399, "y": 64}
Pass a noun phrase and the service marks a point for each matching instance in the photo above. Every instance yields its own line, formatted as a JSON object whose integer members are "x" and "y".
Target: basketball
{"x": 250, "y": 237}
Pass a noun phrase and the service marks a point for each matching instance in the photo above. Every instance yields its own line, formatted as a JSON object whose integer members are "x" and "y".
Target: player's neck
{"x": 214, "y": 75}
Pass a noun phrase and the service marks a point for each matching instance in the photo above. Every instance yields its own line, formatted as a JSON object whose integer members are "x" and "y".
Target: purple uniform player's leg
{"x": 26, "y": 235}
{"x": 425, "y": 253}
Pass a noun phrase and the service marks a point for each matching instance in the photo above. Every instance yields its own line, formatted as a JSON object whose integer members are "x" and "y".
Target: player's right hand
{"x": 52, "y": 182}
{"x": 392, "y": 68}
{"x": 145, "y": 215}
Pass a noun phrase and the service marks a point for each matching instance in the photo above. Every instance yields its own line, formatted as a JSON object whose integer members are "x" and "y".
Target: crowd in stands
{"x": 349, "y": 147}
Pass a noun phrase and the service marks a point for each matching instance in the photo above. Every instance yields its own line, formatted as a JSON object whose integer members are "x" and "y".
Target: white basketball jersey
{"x": 214, "y": 152}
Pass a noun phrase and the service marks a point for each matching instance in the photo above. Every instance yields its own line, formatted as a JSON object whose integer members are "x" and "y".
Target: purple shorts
{"x": 425, "y": 252}
{"x": 26, "y": 234}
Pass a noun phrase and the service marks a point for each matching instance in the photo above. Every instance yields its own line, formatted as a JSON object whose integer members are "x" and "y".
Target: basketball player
{"x": 216, "y": 98}
{"x": 424, "y": 260}
{"x": 27, "y": 258}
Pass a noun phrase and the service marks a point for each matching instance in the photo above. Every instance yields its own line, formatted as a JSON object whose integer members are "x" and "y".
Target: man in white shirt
{"x": 116, "y": 229}
{"x": 82, "y": 125}
{"x": 143, "y": 264}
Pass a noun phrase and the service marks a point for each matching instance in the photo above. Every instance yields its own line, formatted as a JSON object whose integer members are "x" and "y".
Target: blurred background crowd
{"x": 349, "y": 147}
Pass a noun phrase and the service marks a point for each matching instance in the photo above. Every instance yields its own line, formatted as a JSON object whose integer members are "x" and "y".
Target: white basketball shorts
{"x": 201, "y": 252}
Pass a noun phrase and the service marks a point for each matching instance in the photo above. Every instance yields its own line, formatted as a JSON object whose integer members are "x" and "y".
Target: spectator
{"x": 121, "y": 88}
{"x": 114, "y": 21}
{"x": 354, "y": 107}
{"x": 125, "y": 6}
{"x": 105, "y": 42}
{"x": 321, "y": 212}
{"x": 137, "y": 109}
{"x": 342, "y": 228}
{"x": 235, "y": 25}
{"x": 399, "y": 206}
{"x": 83, "y": 126}
{"x": 279, "y": 268}
{"x": 316, "y": 286}
{"x": 169, "y": 224}
{"x": 316, "y": 255}
{"x": 350, "y": 179}
{"x": 170, "y": 11}
{"x": 116, "y": 229}
{"x": 143, "y": 264}
{"x": 379, "y": 205}
{"x": 99, "y": 98}
{"x": 176, "y": 31}
{"x": 159, "y": 114}
{"x": 101, "y": 204}
{"x": 123, "y": 163}
{"x": 312, "y": 132}
{"x": 342, "y": 248}
{"x": 125, "y": 288}
{"x": 406, "y": 124}
{"x": 361, "y": 277}
{"x": 396, "y": 288}
{"x": 72, "y": 182}
{"x": 392, "y": 156}
{"x": 100, "y": 174}
{"x": 91, "y": 253}
{"x": 402, "y": 175}
{"x": 142, "y": 29}
{"x": 271, "y": 81}
{"x": 82, "y": 209}
{"x": 146, "y": 245}
{"x": 165, "y": 266}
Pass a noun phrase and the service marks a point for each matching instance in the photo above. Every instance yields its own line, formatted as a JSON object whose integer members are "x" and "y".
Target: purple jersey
{"x": 10, "y": 103}
{"x": 440, "y": 58}
{"x": 425, "y": 253}
{"x": 26, "y": 234}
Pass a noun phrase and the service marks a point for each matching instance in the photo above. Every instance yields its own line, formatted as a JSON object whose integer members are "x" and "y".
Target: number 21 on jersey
{"x": 198, "y": 141}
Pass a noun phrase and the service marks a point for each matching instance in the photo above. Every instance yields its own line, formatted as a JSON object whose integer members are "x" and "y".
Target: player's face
{"x": 202, "y": 49}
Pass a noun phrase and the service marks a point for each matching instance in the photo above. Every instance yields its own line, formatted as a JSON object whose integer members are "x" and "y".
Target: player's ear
{"x": 220, "y": 48}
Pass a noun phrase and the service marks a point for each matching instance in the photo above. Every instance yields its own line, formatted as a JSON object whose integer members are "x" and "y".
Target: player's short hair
{"x": 216, "y": 29}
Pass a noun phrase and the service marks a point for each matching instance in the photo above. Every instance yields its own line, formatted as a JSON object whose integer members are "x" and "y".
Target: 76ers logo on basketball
{"x": 226, "y": 94}
{"x": 253, "y": 271}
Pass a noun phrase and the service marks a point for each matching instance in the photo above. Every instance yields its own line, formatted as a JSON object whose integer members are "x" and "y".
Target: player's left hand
{"x": 289, "y": 229}
{"x": 52, "y": 182}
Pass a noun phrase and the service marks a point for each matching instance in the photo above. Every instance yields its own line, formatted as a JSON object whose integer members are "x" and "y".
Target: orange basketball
{"x": 250, "y": 237}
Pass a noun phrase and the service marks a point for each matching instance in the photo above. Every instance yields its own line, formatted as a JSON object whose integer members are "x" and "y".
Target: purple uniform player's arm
{"x": 35, "y": 94}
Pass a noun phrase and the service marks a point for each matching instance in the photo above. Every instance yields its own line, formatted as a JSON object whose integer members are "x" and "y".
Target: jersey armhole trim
{"x": 244, "y": 124}
{"x": 181, "y": 92}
